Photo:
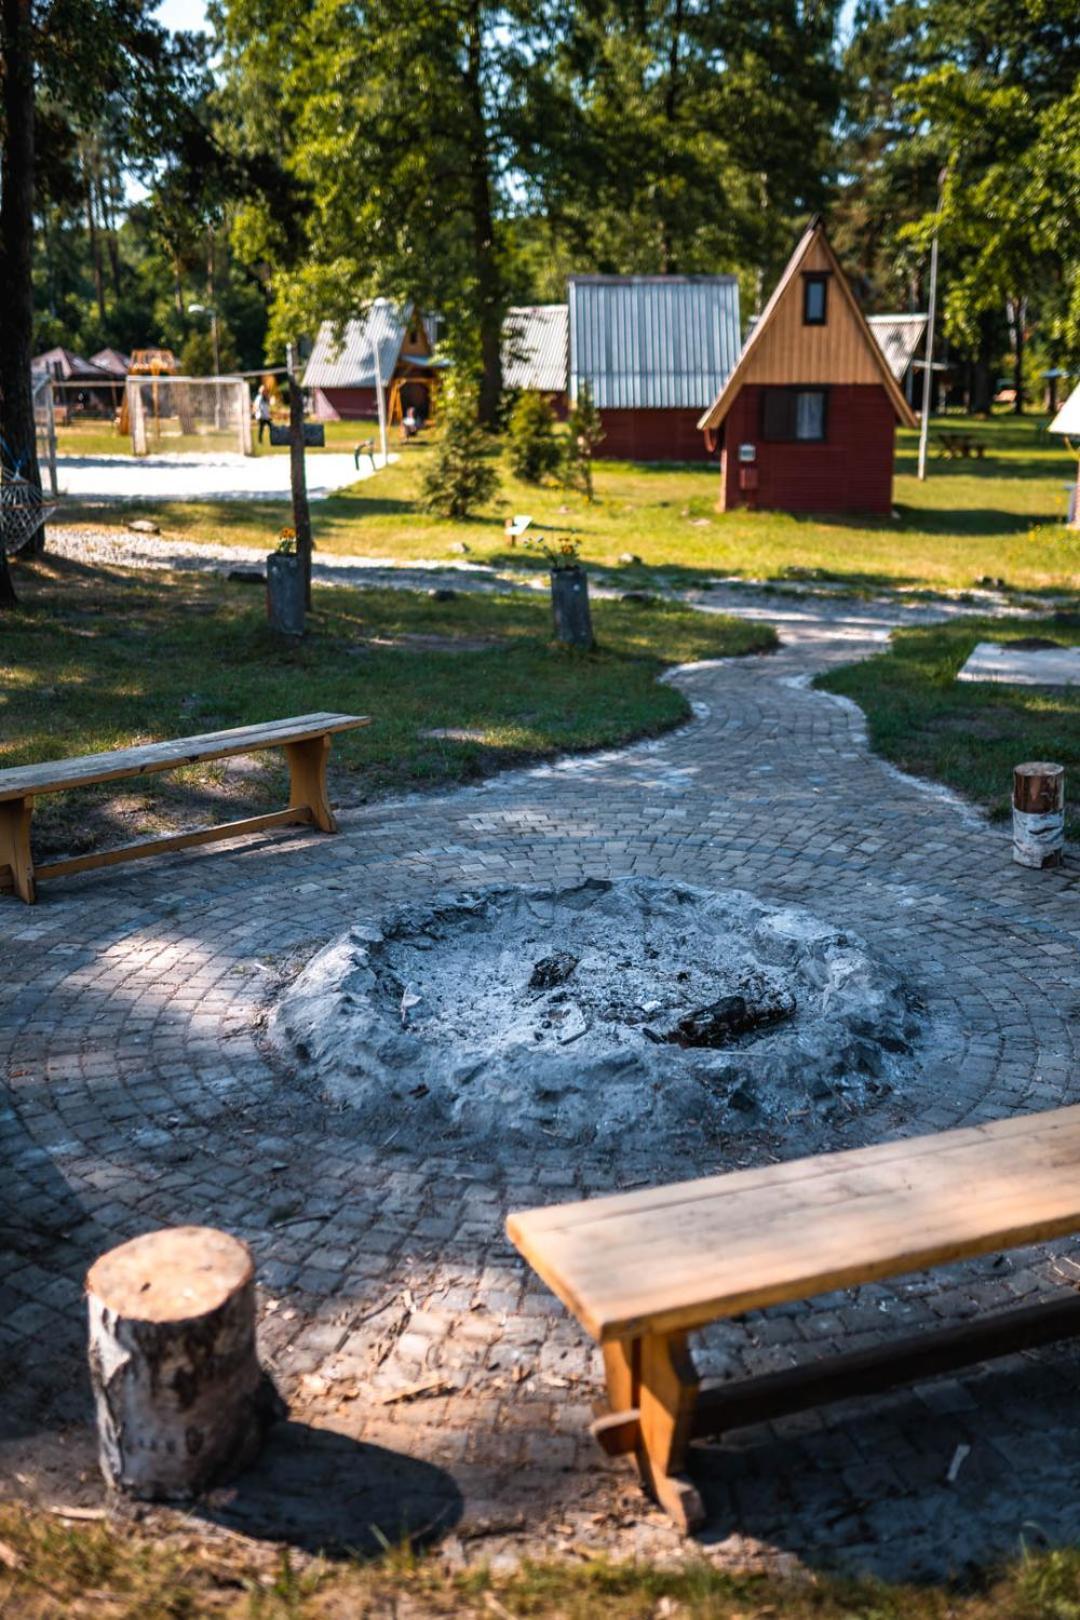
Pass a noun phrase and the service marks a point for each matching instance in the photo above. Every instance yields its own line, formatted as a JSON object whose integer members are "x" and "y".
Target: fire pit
{"x": 598, "y": 1015}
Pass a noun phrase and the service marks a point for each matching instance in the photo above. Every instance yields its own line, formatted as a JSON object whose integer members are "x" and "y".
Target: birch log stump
{"x": 180, "y": 1397}
{"x": 1038, "y": 813}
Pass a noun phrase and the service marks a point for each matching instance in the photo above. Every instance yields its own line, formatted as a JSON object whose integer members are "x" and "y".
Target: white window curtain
{"x": 810, "y": 416}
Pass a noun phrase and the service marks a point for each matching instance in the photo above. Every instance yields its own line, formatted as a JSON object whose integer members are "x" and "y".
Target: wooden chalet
{"x": 806, "y": 421}
{"x": 340, "y": 374}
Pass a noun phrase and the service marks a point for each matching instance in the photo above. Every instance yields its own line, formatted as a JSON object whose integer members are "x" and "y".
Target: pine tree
{"x": 461, "y": 475}
{"x": 586, "y": 432}
{"x": 532, "y": 448}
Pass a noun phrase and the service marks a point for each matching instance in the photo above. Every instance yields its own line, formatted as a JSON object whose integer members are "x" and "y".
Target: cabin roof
{"x": 345, "y": 359}
{"x": 535, "y": 347}
{"x": 813, "y": 237}
{"x": 898, "y": 338}
{"x": 652, "y": 342}
{"x": 1067, "y": 419}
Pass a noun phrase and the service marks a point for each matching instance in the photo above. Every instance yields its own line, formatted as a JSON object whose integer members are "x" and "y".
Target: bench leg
{"x": 307, "y": 779}
{"x": 668, "y": 1390}
{"x": 15, "y": 846}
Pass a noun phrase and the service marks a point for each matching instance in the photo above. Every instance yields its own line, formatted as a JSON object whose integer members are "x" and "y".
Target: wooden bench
{"x": 960, "y": 446}
{"x": 641, "y": 1270}
{"x": 305, "y": 739}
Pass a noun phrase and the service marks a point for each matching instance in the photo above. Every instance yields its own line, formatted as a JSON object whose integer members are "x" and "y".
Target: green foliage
{"x": 462, "y": 474}
{"x": 197, "y": 357}
{"x": 586, "y": 433}
{"x": 532, "y": 449}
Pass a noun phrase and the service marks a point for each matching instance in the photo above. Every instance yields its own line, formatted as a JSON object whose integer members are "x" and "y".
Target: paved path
{"x": 130, "y": 1009}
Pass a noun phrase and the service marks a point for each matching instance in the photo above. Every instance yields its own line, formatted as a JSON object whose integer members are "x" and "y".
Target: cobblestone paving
{"x": 138, "y": 1095}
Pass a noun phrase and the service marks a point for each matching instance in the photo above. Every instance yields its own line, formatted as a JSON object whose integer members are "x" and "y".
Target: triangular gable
{"x": 346, "y": 358}
{"x": 781, "y": 350}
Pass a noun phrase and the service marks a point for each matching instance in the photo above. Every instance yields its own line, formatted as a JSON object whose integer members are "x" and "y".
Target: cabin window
{"x": 815, "y": 298}
{"x": 793, "y": 414}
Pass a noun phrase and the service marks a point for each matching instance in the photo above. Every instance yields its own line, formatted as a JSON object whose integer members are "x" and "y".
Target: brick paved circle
{"x": 138, "y": 1095}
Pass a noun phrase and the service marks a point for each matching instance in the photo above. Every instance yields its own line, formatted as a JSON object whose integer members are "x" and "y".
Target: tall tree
{"x": 18, "y": 441}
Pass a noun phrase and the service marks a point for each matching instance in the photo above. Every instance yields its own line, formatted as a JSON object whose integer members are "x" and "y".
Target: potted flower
{"x": 569, "y": 590}
{"x": 285, "y": 586}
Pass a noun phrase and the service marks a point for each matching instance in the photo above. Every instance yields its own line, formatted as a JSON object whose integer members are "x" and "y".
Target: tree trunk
{"x": 669, "y": 263}
{"x": 982, "y": 386}
{"x": 298, "y": 475}
{"x": 95, "y": 241}
{"x": 488, "y": 279}
{"x": 1018, "y": 358}
{"x": 17, "y": 431}
{"x": 180, "y": 1397}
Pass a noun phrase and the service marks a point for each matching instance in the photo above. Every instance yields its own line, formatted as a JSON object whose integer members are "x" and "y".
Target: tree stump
{"x": 570, "y": 607}
{"x": 1038, "y": 813}
{"x": 180, "y": 1397}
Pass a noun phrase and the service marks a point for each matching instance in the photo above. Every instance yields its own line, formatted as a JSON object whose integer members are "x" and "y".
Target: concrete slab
{"x": 223, "y": 477}
{"x": 1016, "y": 665}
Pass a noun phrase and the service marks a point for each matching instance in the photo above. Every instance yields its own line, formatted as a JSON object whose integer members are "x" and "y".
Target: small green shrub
{"x": 461, "y": 476}
{"x": 532, "y": 448}
{"x": 586, "y": 433}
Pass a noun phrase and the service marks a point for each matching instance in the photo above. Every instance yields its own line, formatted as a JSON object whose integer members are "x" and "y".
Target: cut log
{"x": 1038, "y": 814}
{"x": 570, "y": 607}
{"x": 181, "y": 1400}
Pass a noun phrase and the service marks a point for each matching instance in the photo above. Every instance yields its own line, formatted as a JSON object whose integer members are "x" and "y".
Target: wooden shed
{"x": 806, "y": 421}
{"x": 535, "y": 352}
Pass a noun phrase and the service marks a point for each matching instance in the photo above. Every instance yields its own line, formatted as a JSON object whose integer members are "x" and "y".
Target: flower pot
{"x": 285, "y": 593}
{"x": 570, "y": 606}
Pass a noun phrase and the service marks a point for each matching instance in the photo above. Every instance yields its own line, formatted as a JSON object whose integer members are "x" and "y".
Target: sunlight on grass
{"x": 998, "y": 518}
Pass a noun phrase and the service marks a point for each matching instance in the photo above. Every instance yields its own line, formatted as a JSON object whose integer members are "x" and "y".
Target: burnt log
{"x": 181, "y": 1400}
{"x": 1038, "y": 814}
{"x": 724, "y": 1021}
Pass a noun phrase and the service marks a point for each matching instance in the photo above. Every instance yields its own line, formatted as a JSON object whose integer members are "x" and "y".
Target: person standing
{"x": 262, "y": 410}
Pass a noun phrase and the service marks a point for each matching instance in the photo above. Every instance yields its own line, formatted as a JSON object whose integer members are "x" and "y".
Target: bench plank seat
{"x": 305, "y": 740}
{"x": 641, "y": 1269}
{"x": 84, "y": 770}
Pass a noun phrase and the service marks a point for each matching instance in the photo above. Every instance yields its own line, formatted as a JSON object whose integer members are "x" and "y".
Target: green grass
{"x": 97, "y": 659}
{"x": 968, "y": 735}
{"x": 999, "y": 518}
{"x": 50, "y": 1570}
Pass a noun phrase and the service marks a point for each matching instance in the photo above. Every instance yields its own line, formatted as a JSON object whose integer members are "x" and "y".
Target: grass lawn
{"x": 50, "y": 1570}
{"x": 998, "y": 518}
{"x": 100, "y": 658}
{"x": 91, "y": 436}
{"x": 967, "y": 734}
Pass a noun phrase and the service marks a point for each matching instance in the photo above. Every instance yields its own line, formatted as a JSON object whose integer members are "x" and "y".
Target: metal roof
{"x": 653, "y": 342}
{"x": 1067, "y": 419}
{"x": 534, "y": 351}
{"x": 898, "y": 338}
{"x": 349, "y": 362}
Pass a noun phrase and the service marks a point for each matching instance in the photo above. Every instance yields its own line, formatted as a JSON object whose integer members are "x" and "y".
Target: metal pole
{"x": 217, "y": 344}
{"x": 928, "y": 364}
{"x": 381, "y": 401}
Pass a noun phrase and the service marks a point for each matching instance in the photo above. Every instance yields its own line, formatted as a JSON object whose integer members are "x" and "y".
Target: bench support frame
{"x": 308, "y": 805}
{"x": 654, "y": 1378}
{"x": 656, "y": 1406}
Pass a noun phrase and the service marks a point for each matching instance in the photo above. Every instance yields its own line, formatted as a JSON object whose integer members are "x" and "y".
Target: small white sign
{"x": 748, "y": 452}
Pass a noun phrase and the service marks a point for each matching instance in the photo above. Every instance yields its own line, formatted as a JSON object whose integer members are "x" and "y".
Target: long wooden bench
{"x": 641, "y": 1270}
{"x": 304, "y": 738}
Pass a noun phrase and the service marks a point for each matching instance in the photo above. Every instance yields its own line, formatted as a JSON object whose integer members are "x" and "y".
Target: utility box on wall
{"x": 748, "y": 478}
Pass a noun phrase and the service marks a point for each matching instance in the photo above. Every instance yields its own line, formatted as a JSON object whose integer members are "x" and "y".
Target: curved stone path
{"x": 433, "y": 1381}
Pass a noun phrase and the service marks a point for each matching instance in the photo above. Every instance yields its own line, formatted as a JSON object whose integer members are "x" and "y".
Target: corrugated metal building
{"x": 654, "y": 350}
{"x": 806, "y": 421}
{"x": 535, "y": 351}
{"x": 341, "y": 372}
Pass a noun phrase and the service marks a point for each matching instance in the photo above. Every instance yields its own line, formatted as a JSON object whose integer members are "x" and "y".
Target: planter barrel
{"x": 285, "y": 593}
{"x": 570, "y": 607}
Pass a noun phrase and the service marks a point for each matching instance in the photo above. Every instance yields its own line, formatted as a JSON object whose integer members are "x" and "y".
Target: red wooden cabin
{"x": 806, "y": 420}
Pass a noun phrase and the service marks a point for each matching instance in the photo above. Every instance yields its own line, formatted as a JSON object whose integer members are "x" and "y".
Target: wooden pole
{"x": 180, "y": 1397}
{"x": 1038, "y": 814}
{"x": 298, "y": 473}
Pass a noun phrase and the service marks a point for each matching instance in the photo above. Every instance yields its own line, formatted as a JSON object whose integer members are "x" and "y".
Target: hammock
{"x": 23, "y": 510}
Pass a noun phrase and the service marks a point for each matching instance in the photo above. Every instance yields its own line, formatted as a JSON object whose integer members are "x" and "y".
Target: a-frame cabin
{"x": 806, "y": 421}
